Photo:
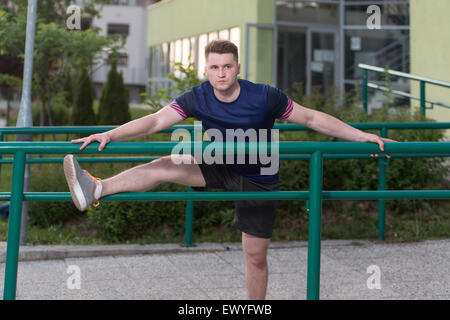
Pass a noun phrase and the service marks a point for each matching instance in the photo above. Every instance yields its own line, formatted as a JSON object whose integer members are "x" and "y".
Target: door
{"x": 292, "y": 62}
{"x": 322, "y": 59}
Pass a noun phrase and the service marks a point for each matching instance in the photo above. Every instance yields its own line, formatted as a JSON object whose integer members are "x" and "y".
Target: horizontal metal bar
{"x": 374, "y": 126}
{"x": 279, "y": 126}
{"x": 231, "y": 195}
{"x": 407, "y": 95}
{"x": 86, "y": 160}
{"x": 282, "y": 157}
{"x": 74, "y": 130}
{"x": 285, "y": 147}
{"x": 388, "y": 194}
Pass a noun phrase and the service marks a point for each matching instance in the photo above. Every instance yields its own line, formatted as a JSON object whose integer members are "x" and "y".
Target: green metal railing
{"x": 383, "y": 162}
{"x": 422, "y": 83}
{"x": 315, "y": 195}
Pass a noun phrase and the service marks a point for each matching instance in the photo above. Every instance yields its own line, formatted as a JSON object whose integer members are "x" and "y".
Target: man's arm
{"x": 331, "y": 126}
{"x": 164, "y": 118}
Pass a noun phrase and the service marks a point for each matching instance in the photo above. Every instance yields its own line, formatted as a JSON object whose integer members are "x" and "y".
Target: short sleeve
{"x": 183, "y": 104}
{"x": 280, "y": 104}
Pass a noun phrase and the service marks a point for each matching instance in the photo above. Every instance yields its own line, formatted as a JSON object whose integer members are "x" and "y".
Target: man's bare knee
{"x": 255, "y": 250}
{"x": 178, "y": 159}
{"x": 179, "y": 169}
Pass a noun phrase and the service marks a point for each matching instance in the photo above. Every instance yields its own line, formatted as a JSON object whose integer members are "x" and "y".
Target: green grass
{"x": 358, "y": 225}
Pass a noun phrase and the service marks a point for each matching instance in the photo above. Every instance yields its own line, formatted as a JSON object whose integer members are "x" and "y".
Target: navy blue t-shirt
{"x": 257, "y": 107}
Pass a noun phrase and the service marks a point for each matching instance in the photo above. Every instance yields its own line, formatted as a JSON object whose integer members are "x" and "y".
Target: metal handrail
{"x": 315, "y": 194}
{"x": 404, "y": 75}
{"x": 422, "y": 81}
{"x": 407, "y": 95}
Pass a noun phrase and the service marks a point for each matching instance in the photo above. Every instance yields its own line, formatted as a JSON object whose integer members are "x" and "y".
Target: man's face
{"x": 222, "y": 70}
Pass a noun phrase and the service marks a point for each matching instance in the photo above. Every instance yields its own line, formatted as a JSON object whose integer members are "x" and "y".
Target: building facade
{"x": 128, "y": 18}
{"x": 283, "y": 42}
{"x": 430, "y": 48}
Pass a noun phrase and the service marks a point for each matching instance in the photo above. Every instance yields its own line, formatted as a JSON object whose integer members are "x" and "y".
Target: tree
{"x": 187, "y": 79}
{"x": 83, "y": 114}
{"x": 59, "y": 54}
{"x": 114, "y": 107}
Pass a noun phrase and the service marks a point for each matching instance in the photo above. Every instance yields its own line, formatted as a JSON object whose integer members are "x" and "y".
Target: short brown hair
{"x": 222, "y": 46}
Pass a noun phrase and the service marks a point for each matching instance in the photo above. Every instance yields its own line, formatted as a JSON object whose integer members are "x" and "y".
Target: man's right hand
{"x": 102, "y": 138}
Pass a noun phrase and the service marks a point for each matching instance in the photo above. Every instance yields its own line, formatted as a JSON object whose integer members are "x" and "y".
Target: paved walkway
{"x": 349, "y": 270}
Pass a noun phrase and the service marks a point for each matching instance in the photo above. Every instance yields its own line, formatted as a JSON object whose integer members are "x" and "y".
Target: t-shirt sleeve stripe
{"x": 174, "y": 105}
{"x": 288, "y": 110}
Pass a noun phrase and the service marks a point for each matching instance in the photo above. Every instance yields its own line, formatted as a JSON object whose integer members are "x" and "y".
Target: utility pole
{"x": 25, "y": 117}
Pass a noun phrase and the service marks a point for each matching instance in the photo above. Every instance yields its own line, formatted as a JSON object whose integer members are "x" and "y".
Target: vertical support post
{"x": 364, "y": 90}
{"x": 314, "y": 229}
{"x": 382, "y": 186}
{"x": 189, "y": 222}
{"x": 15, "y": 215}
{"x": 25, "y": 117}
{"x": 275, "y": 55}
{"x": 1, "y": 155}
{"x": 247, "y": 51}
{"x": 422, "y": 98}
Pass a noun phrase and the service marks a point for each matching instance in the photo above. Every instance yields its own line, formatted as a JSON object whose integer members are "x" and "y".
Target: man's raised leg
{"x": 138, "y": 179}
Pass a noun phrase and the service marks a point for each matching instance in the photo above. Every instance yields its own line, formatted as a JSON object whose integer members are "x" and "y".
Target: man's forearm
{"x": 133, "y": 129}
{"x": 334, "y": 127}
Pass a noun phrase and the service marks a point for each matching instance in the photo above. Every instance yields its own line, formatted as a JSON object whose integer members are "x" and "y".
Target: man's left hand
{"x": 378, "y": 140}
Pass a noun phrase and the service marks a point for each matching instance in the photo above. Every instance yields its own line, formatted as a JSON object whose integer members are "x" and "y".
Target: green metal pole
{"x": 422, "y": 97}
{"x": 364, "y": 89}
{"x": 382, "y": 186}
{"x": 189, "y": 222}
{"x": 315, "y": 213}
{"x": 1, "y": 155}
{"x": 15, "y": 215}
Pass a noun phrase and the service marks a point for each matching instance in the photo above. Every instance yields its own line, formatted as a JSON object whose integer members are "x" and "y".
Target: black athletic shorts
{"x": 254, "y": 217}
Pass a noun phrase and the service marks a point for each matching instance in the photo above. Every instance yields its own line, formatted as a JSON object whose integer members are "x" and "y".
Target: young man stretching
{"x": 222, "y": 103}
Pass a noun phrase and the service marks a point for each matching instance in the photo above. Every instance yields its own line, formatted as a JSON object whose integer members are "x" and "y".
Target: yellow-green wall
{"x": 430, "y": 51}
{"x": 176, "y": 19}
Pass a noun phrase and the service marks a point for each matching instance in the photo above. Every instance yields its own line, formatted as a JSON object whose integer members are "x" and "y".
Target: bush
{"x": 45, "y": 178}
{"x": 59, "y": 112}
{"x": 114, "y": 107}
{"x": 83, "y": 114}
{"x": 118, "y": 221}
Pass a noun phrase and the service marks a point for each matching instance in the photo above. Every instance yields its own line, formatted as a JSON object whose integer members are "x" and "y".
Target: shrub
{"x": 132, "y": 219}
{"x": 114, "y": 107}
{"x": 59, "y": 112}
{"x": 45, "y": 178}
{"x": 83, "y": 114}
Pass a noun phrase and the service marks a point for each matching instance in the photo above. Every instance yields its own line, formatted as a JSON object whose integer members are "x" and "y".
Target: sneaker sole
{"x": 74, "y": 186}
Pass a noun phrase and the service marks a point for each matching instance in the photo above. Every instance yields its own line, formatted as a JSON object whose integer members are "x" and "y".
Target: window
{"x": 188, "y": 50}
{"x": 391, "y": 14}
{"x": 86, "y": 23}
{"x": 235, "y": 36}
{"x": 308, "y": 11}
{"x": 202, "y": 42}
{"x": 384, "y": 48}
{"x": 224, "y": 34}
{"x": 122, "y": 59}
{"x": 117, "y": 28}
{"x": 212, "y": 36}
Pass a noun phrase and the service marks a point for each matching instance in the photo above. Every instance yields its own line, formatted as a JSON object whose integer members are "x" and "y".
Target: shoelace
{"x": 97, "y": 203}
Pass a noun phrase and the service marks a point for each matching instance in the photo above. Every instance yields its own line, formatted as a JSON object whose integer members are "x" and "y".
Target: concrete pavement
{"x": 349, "y": 270}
